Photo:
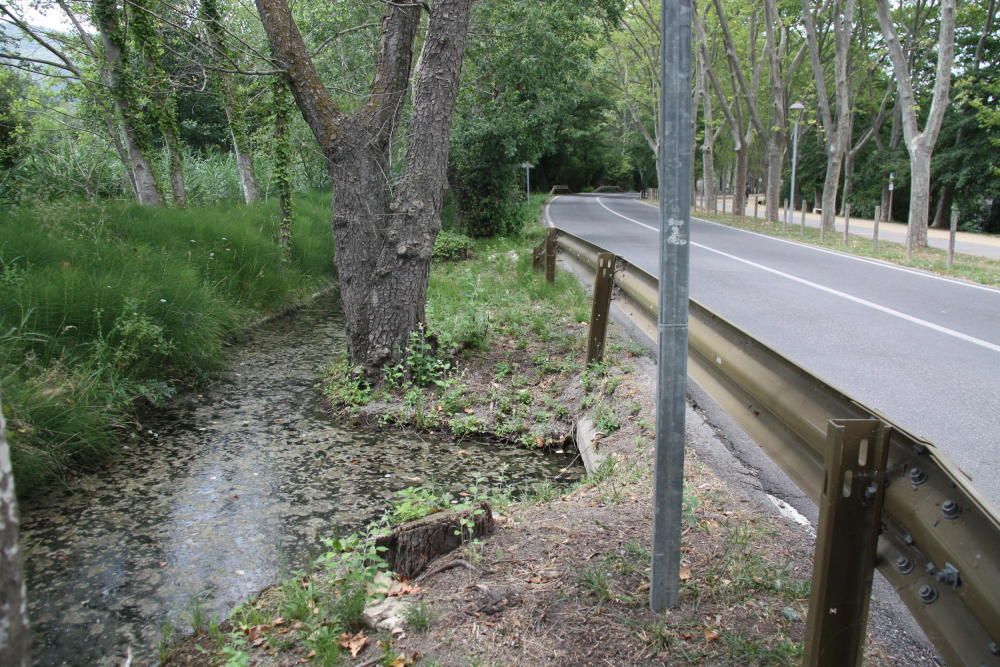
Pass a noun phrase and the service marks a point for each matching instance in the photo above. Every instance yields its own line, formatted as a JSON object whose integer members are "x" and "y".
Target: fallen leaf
{"x": 401, "y": 661}
{"x": 685, "y": 573}
{"x": 278, "y": 621}
{"x": 711, "y": 635}
{"x": 353, "y": 643}
{"x": 402, "y": 587}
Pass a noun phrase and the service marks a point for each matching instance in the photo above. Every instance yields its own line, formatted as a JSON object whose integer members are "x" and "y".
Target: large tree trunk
{"x": 14, "y": 640}
{"x": 177, "y": 174}
{"x": 383, "y": 230}
{"x": 215, "y": 34}
{"x": 920, "y": 197}
{"x": 135, "y": 133}
{"x": 920, "y": 143}
{"x": 941, "y": 214}
{"x": 834, "y": 160}
{"x": 775, "y": 157}
{"x": 740, "y": 186}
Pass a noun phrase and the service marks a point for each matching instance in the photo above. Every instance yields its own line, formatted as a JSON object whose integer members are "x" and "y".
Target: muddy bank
{"x": 222, "y": 495}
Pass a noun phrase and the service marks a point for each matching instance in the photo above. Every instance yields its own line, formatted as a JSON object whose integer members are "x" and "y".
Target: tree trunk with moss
{"x": 135, "y": 133}
{"x": 383, "y": 227}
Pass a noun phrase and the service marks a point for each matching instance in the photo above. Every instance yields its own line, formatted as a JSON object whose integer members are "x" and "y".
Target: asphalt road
{"x": 922, "y": 349}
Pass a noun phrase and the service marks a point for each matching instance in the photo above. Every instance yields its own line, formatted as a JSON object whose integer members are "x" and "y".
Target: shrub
{"x": 451, "y": 246}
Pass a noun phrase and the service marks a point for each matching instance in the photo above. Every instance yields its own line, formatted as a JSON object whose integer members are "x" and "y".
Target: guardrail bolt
{"x": 904, "y": 565}
{"x": 950, "y": 509}
{"x": 949, "y": 576}
{"x": 917, "y": 476}
{"x": 927, "y": 594}
{"x": 994, "y": 648}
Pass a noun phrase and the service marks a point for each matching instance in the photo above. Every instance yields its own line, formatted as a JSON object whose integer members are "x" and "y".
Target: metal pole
{"x": 795, "y": 158}
{"x": 675, "y": 222}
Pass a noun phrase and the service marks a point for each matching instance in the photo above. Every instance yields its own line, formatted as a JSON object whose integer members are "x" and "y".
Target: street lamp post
{"x": 799, "y": 108}
{"x": 527, "y": 166}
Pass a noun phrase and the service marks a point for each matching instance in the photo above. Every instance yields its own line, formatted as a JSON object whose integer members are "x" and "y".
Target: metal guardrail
{"x": 933, "y": 536}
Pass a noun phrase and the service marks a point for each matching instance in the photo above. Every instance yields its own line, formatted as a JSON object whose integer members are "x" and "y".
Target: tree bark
{"x": 14, "y": 639}
{"x": 237, "y": 131}
{"x": 708, "y": 139}
{"x": 383, "y": 230}
{"x": 412, "y": 545}
{"x": 775, "y": 160}
{"x": 107, "y": 17}
{"x": 945, "y": 199}
{"x": 920, "y": 144}
{"x": 837, "y": 133}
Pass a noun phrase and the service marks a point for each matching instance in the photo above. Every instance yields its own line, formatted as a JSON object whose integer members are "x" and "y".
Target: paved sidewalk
{"x": 982, "y": 245}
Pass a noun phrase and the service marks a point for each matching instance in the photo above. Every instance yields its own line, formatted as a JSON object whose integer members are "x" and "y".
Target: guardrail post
{"x": 604, "y": 281}
{"x": 550, "y": 256}
{"x": 846, "y": 542}
{"x": 878, "y": 217}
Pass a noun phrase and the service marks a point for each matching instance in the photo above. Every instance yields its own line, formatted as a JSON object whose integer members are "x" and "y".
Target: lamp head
{"x": 797, "y": 106}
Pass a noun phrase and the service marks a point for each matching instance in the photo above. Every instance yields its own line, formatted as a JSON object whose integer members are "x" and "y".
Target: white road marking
{"x": 865, "y": 260}
{"x": 829, "y": 290}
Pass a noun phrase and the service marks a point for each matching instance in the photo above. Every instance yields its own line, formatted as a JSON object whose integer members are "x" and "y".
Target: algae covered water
{"x": 222, "y": 495}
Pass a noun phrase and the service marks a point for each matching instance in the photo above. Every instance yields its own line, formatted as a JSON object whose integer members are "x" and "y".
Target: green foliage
{"x": 532, "y": 67}
{"x": 101, "y": 305}
{"x": 606, "y": 420}
{"x": 418, "y": 616}
{"x": 346, "y": 385}
{"x": 416, "y": 502}
{"x": 451, "y": 246}
{"x": 420, "y": 365}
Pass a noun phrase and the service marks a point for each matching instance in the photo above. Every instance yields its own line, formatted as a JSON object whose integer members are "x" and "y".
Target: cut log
{"x": 411, "y": 546}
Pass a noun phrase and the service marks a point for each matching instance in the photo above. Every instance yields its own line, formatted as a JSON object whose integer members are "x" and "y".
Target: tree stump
{"x": 412, "y": 545}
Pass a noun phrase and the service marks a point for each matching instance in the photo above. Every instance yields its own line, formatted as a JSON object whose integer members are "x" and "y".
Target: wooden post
{"x": 603, "y": 284}
{"x": 550, "y": 256}
{"x": 756, "y": 205}
{"x": 846, "y": 542}
{"x": 878, "y": 218}
{"x": 802, "y": 220}
{"x": 785, "y": 218}
{"x": 847, "y": 222}
{"x": 952, "y": 230}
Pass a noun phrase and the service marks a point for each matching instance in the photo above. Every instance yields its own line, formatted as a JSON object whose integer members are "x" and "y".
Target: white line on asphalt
{"x": 548, "y": 216}
{"x": 823, "y": 288}
{"x": 865, "y": 260}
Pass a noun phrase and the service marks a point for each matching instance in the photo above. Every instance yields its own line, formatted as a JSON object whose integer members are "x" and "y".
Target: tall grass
{"x": 104, "y": 304}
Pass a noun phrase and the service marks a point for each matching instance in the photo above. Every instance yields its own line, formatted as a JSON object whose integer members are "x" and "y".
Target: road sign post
{"x": 675, "y": 221}
{"x": 527, "y": 166}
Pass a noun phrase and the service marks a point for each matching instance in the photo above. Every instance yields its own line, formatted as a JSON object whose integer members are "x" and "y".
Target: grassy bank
{"x": 105, "y": 304}
{"x": 497, "y": 358}
{"x": 969, "y": 267}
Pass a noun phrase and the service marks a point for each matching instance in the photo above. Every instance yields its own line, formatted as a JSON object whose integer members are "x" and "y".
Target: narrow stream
{"x": 222, "y": 495}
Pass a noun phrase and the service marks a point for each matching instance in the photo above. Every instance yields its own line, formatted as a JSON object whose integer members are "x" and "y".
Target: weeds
{"x": 418, "y": 616}
{"x": 102, "y": 305}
